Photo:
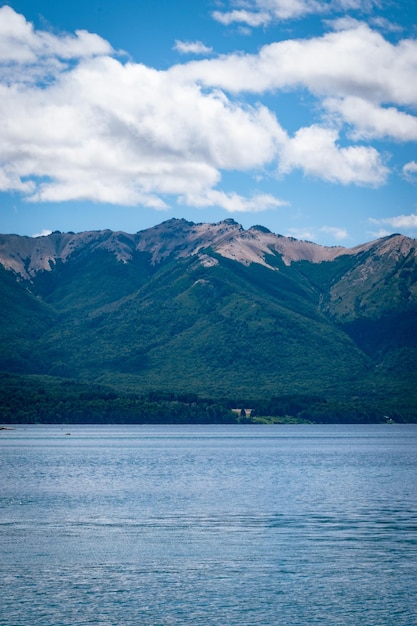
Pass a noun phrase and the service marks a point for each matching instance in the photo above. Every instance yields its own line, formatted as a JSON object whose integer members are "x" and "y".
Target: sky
{"x": 298, "y": 115}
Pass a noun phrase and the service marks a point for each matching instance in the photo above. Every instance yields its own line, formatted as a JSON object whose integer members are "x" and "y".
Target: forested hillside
{"x": 95, "y": 323}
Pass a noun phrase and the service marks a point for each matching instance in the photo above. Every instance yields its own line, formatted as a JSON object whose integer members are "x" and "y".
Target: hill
{"x": 241, "y": 317}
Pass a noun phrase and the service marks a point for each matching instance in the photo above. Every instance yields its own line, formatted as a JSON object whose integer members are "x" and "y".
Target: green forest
{"x": 196, "y": 338}
{"x": 47, "y": 400}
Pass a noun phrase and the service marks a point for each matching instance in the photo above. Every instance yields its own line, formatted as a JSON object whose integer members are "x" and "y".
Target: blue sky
{"x": 300, "y": 115}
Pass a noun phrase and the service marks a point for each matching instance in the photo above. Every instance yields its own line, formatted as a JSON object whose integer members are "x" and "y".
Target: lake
{"x": 212, "y": 525}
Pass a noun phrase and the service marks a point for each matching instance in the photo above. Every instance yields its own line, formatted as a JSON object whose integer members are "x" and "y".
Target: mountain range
{"x": 214, "y": 310}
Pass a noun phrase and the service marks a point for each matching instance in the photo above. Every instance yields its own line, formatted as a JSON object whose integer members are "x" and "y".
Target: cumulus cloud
{"x": 353, "y": 62}
{"x": 77, "y": 123}
{"x": 241, "y": 16}
{"x": 362, "y": 82}
{"x": 29, "y": 55}
{"x": 123, "y": 133}
{"x": 233, "y": 202}
{"x": 314, "y": 149}
{"x": 370, "y": 121}
{"x": 192, "y": 47}
{"x": 410, "y": 172}
{"x": 262, "y": 12}
{"x": 399, "y": 221}
{"x": 385, "y": 24}
{"x": 10, "y": 179}
{"x": 256, "y": 13}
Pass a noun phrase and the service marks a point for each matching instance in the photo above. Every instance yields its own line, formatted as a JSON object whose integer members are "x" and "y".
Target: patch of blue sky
{"x": 340, "y": 162}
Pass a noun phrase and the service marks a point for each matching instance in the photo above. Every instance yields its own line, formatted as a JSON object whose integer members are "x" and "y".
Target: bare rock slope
{"x": 26, "y": 256}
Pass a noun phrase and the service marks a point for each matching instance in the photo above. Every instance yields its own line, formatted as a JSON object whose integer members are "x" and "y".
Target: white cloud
{"x": 370, "y": 121}
{"x": 378, "y": 234}
{"x": 359, "y": 79}
{"x": 10, "y": 179}
{"x": 299, "y": 233}
{"x": 314, "y": 149}
{"x": 385, "y": 24}
{"x": 192, "y": 47}
{"x": 338, "y": 233}
{"x": 353, "y": 62}
{"x": 126, "y": 134}
{"x": 43, "y": 233}
{"x": 399, "y": 221}
{"x": 262, "y": 12}
{"x": 102, "y": 130}
{"x": 33, "y": 53}
{"x": 241, "y": 16}
{"x": 410, "y": 172}
{"x": 233, "y": 202}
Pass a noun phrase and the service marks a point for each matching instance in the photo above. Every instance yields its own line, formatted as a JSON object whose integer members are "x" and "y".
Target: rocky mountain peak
{"x": 179, "y": 238}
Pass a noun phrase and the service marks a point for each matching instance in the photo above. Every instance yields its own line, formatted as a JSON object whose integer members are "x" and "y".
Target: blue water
{"x": 213, "y": 525}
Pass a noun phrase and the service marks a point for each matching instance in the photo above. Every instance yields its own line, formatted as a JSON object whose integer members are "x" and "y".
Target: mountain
{"x": 217, "y": 311}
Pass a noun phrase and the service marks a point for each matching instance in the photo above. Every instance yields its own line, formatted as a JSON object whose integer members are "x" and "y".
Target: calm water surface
{"x": 213, "y": 525}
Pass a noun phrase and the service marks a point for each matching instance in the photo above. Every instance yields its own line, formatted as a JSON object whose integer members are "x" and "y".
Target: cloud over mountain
{"x": 78, "y": 123}
{"x": 120, "y": 133}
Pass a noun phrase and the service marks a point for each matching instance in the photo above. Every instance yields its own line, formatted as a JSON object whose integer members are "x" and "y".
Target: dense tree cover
{"x": 330, "y": 341}
{"x": 33, "y": 399}
{"x": 41, "y": 399}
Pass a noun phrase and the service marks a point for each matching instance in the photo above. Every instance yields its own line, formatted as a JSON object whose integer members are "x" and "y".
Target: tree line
{"x": 39, "y": 399}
